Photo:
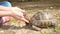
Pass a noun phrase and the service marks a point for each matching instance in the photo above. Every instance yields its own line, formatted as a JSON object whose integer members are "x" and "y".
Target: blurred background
{"x": 32, "y": 6}
{"x": 43, "y": 4}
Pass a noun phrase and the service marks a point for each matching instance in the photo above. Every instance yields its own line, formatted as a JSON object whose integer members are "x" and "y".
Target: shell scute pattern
{"x": 42, "y": 19}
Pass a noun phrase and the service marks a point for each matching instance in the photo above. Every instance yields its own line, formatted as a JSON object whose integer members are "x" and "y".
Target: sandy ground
{"x": 18, "y": 27}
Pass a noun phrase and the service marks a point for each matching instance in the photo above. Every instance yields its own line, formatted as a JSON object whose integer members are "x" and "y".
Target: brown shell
{"x": 42, "y": 19}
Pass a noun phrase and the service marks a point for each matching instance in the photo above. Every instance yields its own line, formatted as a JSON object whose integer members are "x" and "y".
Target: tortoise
{"x": 42, "y": 19}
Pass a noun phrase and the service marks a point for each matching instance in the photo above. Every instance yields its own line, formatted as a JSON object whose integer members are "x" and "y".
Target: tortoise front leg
{"x": 36, "y": 28}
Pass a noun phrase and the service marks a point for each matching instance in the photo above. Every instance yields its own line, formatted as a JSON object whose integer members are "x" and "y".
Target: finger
{"x": 25, "y": 20}
{"x": 18, "y": 9}
{"x": 22, "y": 18}
{"x": 23, "y": 11}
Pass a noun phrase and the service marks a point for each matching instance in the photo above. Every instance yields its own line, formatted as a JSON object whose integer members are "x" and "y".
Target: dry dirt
{"x": 18, "y": 27}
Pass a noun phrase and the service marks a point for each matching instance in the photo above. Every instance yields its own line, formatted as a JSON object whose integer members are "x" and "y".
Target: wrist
{"x": 9, "y": 13}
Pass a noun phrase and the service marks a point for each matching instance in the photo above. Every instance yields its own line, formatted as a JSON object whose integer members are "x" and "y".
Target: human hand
{"x": 18, "y": 14}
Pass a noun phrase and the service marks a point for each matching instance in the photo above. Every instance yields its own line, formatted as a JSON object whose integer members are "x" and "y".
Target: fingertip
{"x": 23, "y": 11}
{"x": 25, "y": 20}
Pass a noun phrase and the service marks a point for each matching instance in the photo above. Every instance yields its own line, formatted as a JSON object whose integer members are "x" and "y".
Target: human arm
{"x": 13, "y": 11}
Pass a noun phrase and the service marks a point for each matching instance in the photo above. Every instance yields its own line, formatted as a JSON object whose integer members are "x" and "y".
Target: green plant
{"x": 56, "y": 28}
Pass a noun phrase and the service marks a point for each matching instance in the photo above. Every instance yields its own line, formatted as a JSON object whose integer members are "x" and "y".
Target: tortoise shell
{"x": 42, "y": 19}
